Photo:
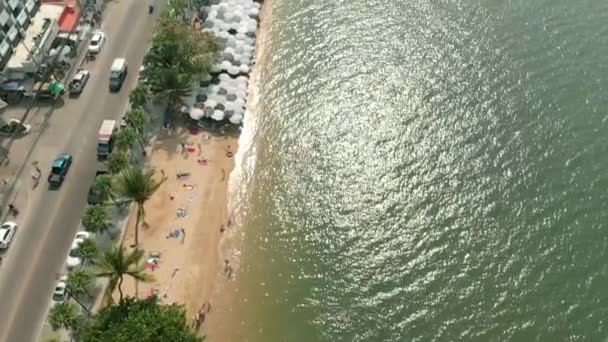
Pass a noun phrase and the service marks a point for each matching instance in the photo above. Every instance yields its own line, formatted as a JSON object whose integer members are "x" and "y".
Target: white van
{"x": 118, "y": 74}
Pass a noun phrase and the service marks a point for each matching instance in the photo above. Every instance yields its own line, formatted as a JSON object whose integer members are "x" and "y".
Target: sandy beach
{"x": 185, "y": 217}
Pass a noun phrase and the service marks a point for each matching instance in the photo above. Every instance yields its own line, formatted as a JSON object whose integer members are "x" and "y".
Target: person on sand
{"x": 222, "y": 229}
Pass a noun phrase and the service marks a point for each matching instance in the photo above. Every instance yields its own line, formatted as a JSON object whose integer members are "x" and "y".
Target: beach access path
{"x": 49, "y": 219}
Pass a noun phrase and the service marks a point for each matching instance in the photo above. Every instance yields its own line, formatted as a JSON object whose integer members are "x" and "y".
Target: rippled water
{"x": 429, "y": 171}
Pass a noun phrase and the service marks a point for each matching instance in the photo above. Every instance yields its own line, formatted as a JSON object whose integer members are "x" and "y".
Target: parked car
{"x": 74, "y": 256}
{"x": 79, "y": 81}
{"x": 7, "y": 234}
{"x": 60, "y": 292}
{"x": 97, "y": 42}
{"x": 59, "y": 169}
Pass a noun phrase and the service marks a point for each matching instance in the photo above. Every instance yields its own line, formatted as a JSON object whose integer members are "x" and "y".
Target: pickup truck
{"x": 94, "y": 197}
{"x": 59, "y": 169}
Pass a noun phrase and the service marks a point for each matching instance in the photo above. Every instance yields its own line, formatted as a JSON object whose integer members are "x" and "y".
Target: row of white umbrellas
{"x": 235, "y": 25}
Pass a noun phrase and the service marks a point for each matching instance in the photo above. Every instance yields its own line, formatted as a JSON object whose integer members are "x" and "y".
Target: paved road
{"x": 29, "y": 271}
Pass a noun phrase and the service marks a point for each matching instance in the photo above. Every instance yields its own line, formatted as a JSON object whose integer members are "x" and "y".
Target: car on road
{"x": 99, "y": 38}
{"x": 59, "y": 169}
{"x": 74, "y": 254}
{"x": 7, "y": 234}
{"x": 60, "y": 292}
{"x": 79, "y": 81}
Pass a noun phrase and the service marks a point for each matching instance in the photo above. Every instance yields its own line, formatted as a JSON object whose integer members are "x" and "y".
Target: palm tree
{"x": 79, "y": 282}
{"x": 95, "y": 219}
{"x": 104, "y": 188}
{"x": 125, "y": 139}
{"x": 138, "y": 184}
{"x": 115, "y": 264}
{"x": 117, "y": 162}
{"x": 171, "y": 88}
{"x": 87, "y": 251}
{"x": 63, "y": 315}
{"x": 138, "y": 119}
{"x": 139, "y": 96}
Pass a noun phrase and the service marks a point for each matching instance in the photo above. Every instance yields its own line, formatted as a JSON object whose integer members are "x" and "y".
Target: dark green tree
{"x": 138, "y": 185}
{"x": 118, "y": 161}
{"x": 88, "y": 251}
{"x": 116, "y": 263}
{"x": 139, "y": 320}
{"x": 96, "y": 219}
{"x": 64, "y": 315}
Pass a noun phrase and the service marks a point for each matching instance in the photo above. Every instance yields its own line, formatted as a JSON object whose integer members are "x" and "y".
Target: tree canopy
{"x": 180, "y": 48}
{"x": 139, "y": 320}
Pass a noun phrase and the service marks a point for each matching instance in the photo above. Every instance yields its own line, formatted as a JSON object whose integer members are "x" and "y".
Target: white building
{"x": 15, "y": 18}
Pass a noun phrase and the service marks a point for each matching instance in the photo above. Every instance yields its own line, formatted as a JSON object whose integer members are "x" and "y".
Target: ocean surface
{"x": 427, "y": 170}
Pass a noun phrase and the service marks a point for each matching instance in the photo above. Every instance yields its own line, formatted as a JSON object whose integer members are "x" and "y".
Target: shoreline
{"x": 227, "y": 316}
{"x": 191, "y": 269}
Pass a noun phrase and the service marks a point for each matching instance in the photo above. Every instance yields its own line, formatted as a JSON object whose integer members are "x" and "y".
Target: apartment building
{"x": 15, "y": 17}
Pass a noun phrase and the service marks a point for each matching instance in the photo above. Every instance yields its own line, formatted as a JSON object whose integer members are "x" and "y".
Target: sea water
{"x": 425, "y": 171}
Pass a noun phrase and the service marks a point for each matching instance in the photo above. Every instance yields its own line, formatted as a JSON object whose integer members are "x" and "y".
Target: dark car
{"x": 79, "y": 81}
{"x": 59, "y": 169}
{"x": 94, "y": 196}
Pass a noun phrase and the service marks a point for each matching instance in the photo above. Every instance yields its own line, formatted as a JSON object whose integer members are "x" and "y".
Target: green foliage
{"x": 126, "y": 137}
{"x": 139, "y": 320}
{"x": 138, "y": 185}
{"x": 116, "y": 263}
{"x": 95, "y": 219}
{"x": 180, "y": 48}
{"x": 117, "y": 161}
{"x": 138, "y": 119}
{"x": 80, "y": 282}
{"x": 104, "y": 187}
{"x": 63, "y": 316}
{"x": 139, "y": 96}
{"x": 88, "y": 251}
{"x": 171, "y": 87}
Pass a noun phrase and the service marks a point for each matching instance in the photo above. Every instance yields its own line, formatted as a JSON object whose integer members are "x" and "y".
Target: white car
{"x": 99, "y": 38}
{"x": 73, "y": 257}
{"x": 60, "y": 292}
{"x": 7, "y": 233}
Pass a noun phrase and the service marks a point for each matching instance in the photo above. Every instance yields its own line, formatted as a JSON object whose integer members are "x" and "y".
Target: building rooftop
{"x": 35, "y": 32}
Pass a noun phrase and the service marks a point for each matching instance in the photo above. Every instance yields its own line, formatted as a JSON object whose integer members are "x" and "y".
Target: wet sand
{"x": 224, "y": 324}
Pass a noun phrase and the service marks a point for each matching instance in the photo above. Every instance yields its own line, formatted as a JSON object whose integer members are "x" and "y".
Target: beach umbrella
{"x": 224, "y": 77}
{"x": 231, "y": 97}
{"x": 201, "y": 98}
{"x": 241, "y": 36}
{"x": 236, "y": 119}
{"x": 226, "y": 65}
{"x": 196, "y": 113}
{"x": 218, "y": 115}
{"x": 208, "y": 111}
{"x": 233, "y": 70}
{"x": 211, "y": 103}
{"x": 244, "y": 69}
{"x": 219, "y": 106}
{"x": 226, "y": 56}
{"x": 257, "y": 5}
{"x": 222, "y": 91}
{"x": 216, "y": 68}
{"x": 240, "y": 102}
